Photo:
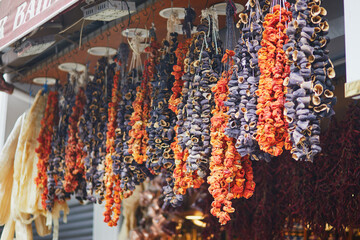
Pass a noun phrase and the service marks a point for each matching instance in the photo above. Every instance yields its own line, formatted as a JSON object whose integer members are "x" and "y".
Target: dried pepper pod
{"x": 307, "y": 85}
{"x": 43, "y": 151}
{"x": 272, "y": 134}
{"x": 138, "y": 137}
{"x": 244, "y": 82}
{"x": 74, "y": 180}
{"x": 91, "y": 127}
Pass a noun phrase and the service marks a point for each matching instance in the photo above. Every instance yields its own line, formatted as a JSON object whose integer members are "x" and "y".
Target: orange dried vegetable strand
{"x": 44, "y": 149}
{"x": 74, "y": 153}
{"x": 227, "y": 176}
{"x": 178, "y": 72}
{"x": 272, "y": 134}
{"x": 113, "y": 194}
{"x": 138, "y": 142}
{"x": 182, "y": 179}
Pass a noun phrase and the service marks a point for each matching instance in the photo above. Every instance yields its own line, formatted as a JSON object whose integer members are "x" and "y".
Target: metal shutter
{"x": 79, "y": 224}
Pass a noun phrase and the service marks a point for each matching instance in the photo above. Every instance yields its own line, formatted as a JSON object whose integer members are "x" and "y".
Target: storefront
{"x": 175, "y": 119}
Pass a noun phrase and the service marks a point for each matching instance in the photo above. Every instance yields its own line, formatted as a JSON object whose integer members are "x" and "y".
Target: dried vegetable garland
{"x": 184, "y": 177}
{"x": 114, "y": 193}
{"x": 200, "y": 101}
{"x": 131, "y": 173}
{"x": 184, "y": 70}
{"x": 91, "y": 127}
{"x": 178, "y": 72}
{"x": 228, "y": 170}
{"x": 74, "y": 153}
{"x": 225, "y": 161}
{"x": 43, "y": 151}
{"x": 310, "y": 90}
{"x": 160, "y": 133}
{"x": 272, "y": 134}
{"x": 244, "y": 82}
{"x": 56, "y": 169}
{"x": 162, "y": 122}
{"x": 138, "y": 137}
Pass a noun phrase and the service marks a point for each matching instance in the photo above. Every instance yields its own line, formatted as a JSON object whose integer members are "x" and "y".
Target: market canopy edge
{"x": 20, "y": 17}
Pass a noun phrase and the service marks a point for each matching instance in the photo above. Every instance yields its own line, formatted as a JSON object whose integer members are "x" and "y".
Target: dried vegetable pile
{"x": 194, "y": 114}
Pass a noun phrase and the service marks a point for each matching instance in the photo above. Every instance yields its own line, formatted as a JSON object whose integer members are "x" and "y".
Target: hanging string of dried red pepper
{"x": 181, "y": 176}
{"x": 74, "y": 153}
{"x": 178, "y": 72}
{"x": 43, "y": 151}
{"x": 138, "y": 135}
{"x": 272, "y": 134}
{"x": 114, "y": 193}
{"x": 183, "y": 179}
{"x": 228, "y": 169}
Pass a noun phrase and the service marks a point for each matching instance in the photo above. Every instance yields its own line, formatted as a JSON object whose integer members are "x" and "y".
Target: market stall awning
{"x": 20, "y": 17}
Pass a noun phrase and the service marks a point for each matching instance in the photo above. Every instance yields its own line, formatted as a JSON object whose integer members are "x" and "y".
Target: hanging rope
{"x": 172, "y": 22}
{"x": 136, "y": 56}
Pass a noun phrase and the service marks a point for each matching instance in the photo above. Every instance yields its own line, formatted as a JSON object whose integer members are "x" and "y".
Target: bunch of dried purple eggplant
{"x": 162, "y": 122}
{"x": 242, "y": 100}
{"x": 91, "y": 131}
{"x": 131, "y": 173}
{"x": 200, "y": 101}
{"x": 310, "y": 90}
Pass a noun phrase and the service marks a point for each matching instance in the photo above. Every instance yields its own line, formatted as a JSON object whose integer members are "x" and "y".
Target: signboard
{"x": 20, "y": 17}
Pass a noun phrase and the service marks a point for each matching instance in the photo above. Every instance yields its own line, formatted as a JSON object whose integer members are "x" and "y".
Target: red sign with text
{"x": 20, "y": 17}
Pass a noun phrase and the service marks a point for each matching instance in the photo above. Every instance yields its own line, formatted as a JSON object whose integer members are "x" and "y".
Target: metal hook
{"x": 108, "y": 33}
{"x": 145, "y": 12}
{"x": 130, "y": 21}
{"x": 153, "y": 9}
{"x": 115, "y": 29}
{"x": 162, "y": 3}
{"x": 137, "y": 19}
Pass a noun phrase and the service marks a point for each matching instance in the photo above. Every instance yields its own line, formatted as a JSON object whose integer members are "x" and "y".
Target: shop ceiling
{"x": 69, "y": 27}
